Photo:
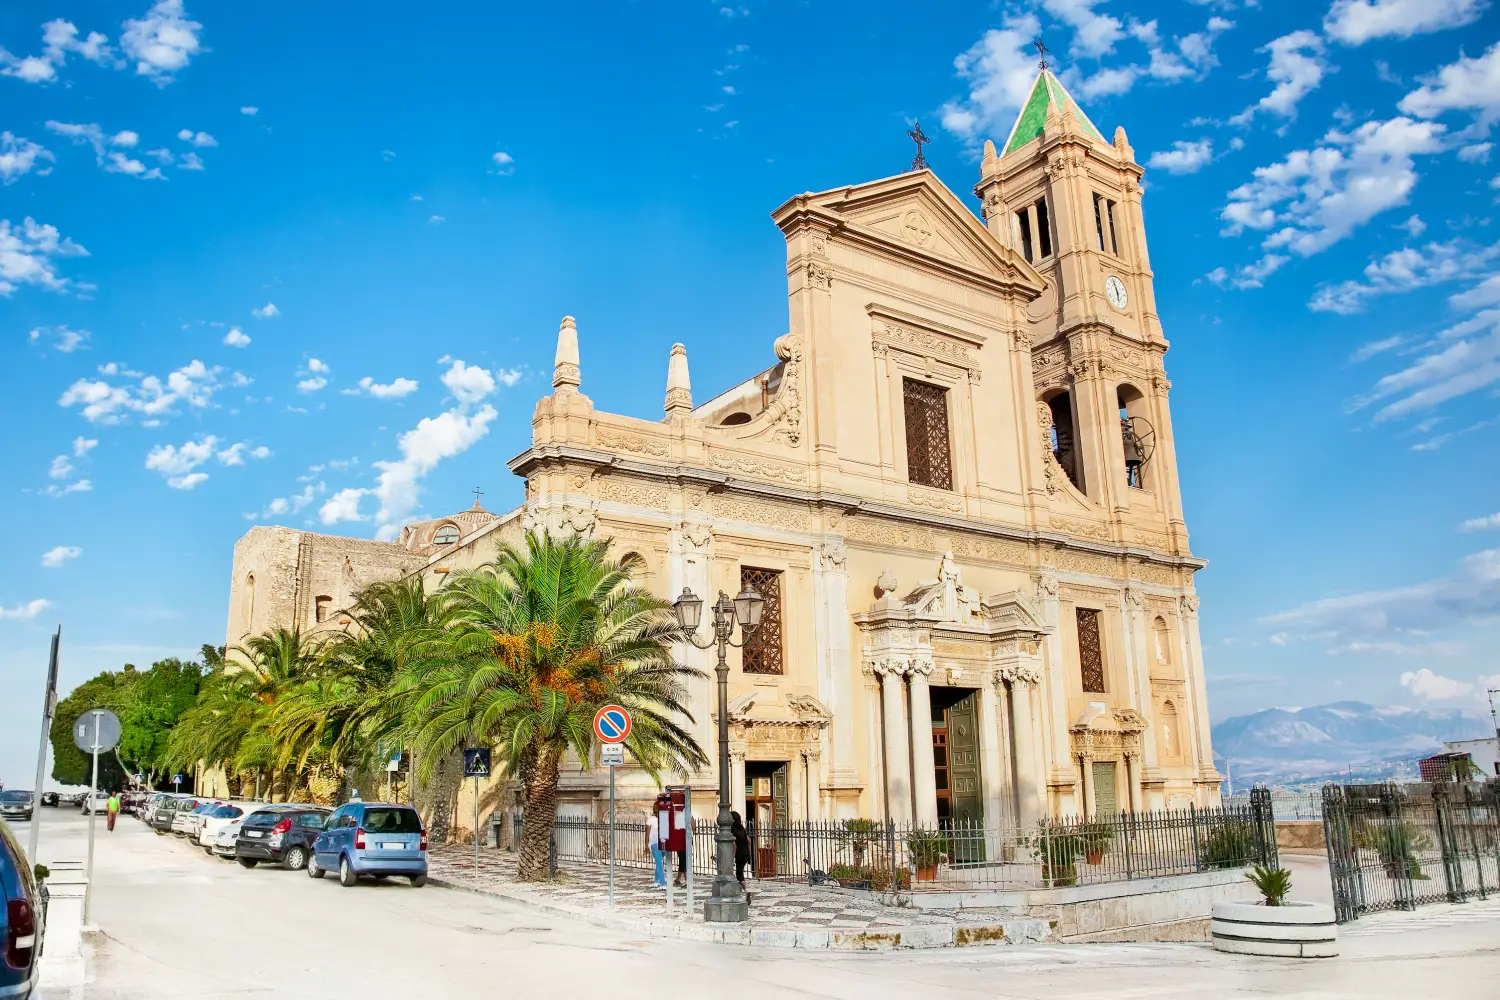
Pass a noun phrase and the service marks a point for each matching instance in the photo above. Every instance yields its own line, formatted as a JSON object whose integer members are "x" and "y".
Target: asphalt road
{"x": 176, "y": 923}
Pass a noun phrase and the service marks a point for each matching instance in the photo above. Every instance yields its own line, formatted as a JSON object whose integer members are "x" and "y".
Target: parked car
{"x": 167, "y": 807}
{"x": 16, "y": 803}
{"x": 49, "y": 798}
{"x": 185, "y": 822}
{"x": 23, "y": 920}
{"x": 219, "y": 816}
{"x": 97, "y": 803}
{"x": 280, "y": 836}
{"x": 371, "y": 838}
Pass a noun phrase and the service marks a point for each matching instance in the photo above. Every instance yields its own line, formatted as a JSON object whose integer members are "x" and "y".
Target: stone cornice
{"x": 689, "y": 475}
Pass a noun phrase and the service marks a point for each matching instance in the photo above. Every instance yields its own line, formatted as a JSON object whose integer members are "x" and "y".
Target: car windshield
{"x": 392, "y": 821}
{"x": 226, "y": 812}
{"x": 15, "y": 795}
{"x": 262, "y": 818}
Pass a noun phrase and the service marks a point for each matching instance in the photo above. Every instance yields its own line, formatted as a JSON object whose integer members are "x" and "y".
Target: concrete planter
{"x": 1291, "y": 930}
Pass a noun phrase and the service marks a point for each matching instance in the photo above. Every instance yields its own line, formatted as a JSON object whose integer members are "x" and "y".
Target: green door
{"x": 1103, "y": 774}
{"x": 783, "y": 816}
{"x": 967, "y": 835}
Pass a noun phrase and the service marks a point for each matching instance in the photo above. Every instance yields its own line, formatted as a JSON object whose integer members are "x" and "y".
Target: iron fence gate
{"x": 1397, "y": 847}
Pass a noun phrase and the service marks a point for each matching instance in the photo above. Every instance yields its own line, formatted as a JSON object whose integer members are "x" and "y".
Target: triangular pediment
{"x": 917, "y": 215}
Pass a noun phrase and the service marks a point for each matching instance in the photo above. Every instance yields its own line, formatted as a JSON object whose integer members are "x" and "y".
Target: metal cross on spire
{"x": 1041, "y": 50}
{"x": 916, "y": 135}
{"x": 477, "y": 494}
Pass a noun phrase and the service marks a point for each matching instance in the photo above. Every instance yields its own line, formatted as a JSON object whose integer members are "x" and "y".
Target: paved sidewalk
{"x": 782, "y": 914}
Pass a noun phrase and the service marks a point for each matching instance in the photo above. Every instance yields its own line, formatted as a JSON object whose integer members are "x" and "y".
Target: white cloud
{"x": 1094, "y": 34}
{"x": 1452, "y": 370}
{"x": 61, "y": 468}
{"x": 1354, "y": 22}
{"x": 1296, "y": 67}
{"x": 468, "y": 383}
{"x": 1481, "y": 523}
{"x": 177, "y": 463}
{"x": 293, "y": 504}
{"x": 314, "y": 365}
{"x": 1374, "y": 347}
{"x": 502, "y": 163}
{"x": 260, "y": 451}
{"x": 393, "y": 390}
{"x": 161, "y": 42}
{"x": 82, "y": 486}
{"x": 249, "y": 109}
{"x": 59, "y": 39}
{"x": 1314, "y": 198}
{"x": 197, "y": 138}
{"x": 1414, "y": 226}
{"x": 1249, "y": 275}
{"x": 25, "y": 612}
{"x": 312, "y": 384}
{"x": 435, "y": 220}
{"x": 1479, "y": 152}
{"x": 1405, "y": 270}
{"x": 233, "y": 455}
{"x": 107, "y": 403}
{"x": 60, "y": 554}
{"x": 343, "y": 506}
{"x": 111, "y": 159}
{"x": 1468, "y": 595}
{"x": 266, "y": 311}
{"x": 237, "y": 337}
{"x": 60, "y": 338}
{"x": 190, "y": 161}
{"x": 1183, "y": 157}
{"x": 1465, "y": 85}
{"x": 422, "y": 448}
{"x": 19, "y": 157}
{"x": 999, "y": 69}
{"x": 1434, "y": 687}
{"x": 29, "y": 253}
{"x": 507, "y": 376}
{"x": 82, "y": 446}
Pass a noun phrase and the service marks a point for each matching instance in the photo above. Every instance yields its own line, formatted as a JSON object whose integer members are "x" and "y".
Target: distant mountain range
{"x": 1297, "y": 747}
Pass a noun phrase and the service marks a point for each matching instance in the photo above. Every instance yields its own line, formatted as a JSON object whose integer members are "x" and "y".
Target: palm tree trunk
{"x": 541, "y": 816}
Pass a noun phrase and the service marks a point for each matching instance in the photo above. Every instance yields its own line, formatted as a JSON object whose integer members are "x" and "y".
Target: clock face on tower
{"x": 1114, "y": 290}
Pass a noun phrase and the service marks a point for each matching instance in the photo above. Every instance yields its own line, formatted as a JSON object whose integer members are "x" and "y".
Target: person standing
{"x": 112, "y": 809}
{"x": 741, "y": 846}
{"x": 653, "y": 840}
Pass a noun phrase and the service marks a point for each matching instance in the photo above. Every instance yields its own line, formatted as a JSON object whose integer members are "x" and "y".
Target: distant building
{"x": 1484, "y": 753}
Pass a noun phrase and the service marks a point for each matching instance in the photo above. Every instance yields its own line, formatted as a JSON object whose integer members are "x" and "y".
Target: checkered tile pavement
{"x": 585, "y": 885}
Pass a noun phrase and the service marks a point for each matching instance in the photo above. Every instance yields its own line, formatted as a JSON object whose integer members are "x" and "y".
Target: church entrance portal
{"x": 955, "y": 759}
{"x": 767, "y": 812}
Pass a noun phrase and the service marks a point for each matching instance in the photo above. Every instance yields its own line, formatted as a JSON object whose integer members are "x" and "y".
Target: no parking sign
{"x": 612, "y": 724}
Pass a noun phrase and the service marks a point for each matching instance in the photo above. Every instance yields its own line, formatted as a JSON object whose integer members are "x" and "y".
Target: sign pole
{"x": 611, "y": 838}
{"x": 476, "y": 830}
{"x": 88, "y": 886}
{"x": 49, "y": 707}
{"x": 688, "y": 808}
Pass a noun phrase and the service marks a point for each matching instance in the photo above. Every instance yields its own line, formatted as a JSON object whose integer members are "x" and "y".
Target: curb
{"x": 1018, "y": 931}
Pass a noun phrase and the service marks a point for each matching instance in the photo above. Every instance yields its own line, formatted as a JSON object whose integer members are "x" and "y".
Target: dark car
{"x": 16, "y": 804}
{"x": 166, "y": 808}
{"x": 23, "y": 919}
{"x": 49, "y": 798}
{"x": 282, "y": 836}
{"x": 372, "y": 838}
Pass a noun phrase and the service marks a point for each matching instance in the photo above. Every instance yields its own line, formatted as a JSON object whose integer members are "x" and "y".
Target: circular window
{"x": 446, "y": 535}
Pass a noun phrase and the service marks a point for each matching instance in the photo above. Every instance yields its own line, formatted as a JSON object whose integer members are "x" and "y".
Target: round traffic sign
{"x": 612, "y": 724}
{"x": 97, "y": 729}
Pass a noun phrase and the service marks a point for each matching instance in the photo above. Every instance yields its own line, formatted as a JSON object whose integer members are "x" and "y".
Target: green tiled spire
{"x": 1048, "y": 90}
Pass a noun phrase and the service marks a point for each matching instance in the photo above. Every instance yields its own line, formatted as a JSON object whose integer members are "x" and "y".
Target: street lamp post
{"x": 726, "y": 902}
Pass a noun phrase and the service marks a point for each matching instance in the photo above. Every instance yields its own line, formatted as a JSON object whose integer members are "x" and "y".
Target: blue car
{"x": 371, "y": 838}
{"x": 23, "y": 918}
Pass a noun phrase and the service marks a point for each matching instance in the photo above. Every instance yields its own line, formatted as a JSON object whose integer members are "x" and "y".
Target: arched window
{"x": 1161, "y": 642}
{"x": 1065, "y": 437}
{"x": 322, "y": 605}
{"x": 735, "y": 419}
{"x": 1137, "y": 437}
{"x": 1171, "y": 739}
{"x": 633, "y": 565}
{"x": 249, "y": 603}
{"x": 446, "y": 535}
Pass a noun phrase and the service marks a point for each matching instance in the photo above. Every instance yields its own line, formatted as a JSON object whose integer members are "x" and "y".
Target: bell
{"x": 1134, "y": 455}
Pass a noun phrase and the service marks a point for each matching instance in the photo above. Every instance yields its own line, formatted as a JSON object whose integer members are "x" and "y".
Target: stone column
{"x": 835, "y": 666}
{"x": 1030, "y": 771}
{"x": 737, "y": 783}
{"x": 924, "y": 775}
{"x": 1086, "y": 786}
{"x": 813, "y": 762}
{"x": 1133, "y": 778}
{"x": 897, "y": 753}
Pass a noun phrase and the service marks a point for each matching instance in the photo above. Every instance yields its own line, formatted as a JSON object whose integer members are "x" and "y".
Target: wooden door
{"x": 1103, "y": 774}
{"x": 965, "y": 797}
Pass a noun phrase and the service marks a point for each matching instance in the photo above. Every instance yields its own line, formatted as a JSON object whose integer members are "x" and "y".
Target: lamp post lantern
{"x": 726, "y": 902}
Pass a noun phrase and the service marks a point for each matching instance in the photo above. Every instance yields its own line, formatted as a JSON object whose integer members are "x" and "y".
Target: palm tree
{"x": 543, "y": 638}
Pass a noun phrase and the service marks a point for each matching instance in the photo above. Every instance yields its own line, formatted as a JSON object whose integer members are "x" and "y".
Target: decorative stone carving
{"x": 885, "y": 584}
{"x": 1085, "y": 529}
{"x": 888, "y": 533}
{"x": 697, "y": 535}
{"x": 819, "y": 277}
{"x": 1052, "y": 471}
{"x": 611, "y": 439}
{"x": 1086, "y": 562}
{"x": 1019, "y": 672}
{"x": 761, "y": 468}
{"x": 938, "y": 500}
{"x": 834, "y": 553}
{"x": 1046, "y": 586}
{"x": 1162, "y": 576}
{"x": 1134, "y": 598}
{"x": 820, "y": 245}
{"x": 784, "y": 415}
{"x": 618, "y": 490}
{"x": 992, "y": 549}
{"x": 775, "y": 516}
{"x": 924, "y": 343}
{"x": 1155, "y": 539}
{"x": 1190, "y": 605}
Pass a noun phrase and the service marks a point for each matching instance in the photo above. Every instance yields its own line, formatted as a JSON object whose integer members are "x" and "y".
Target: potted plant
{"x": 1274, "y": 926}
{"x": 1058, "y": 848}
{"x": 927, "y": 848}
{"x": 859, "y": 833}
{"x": 1397, "y": 845}
{"x": 1095, "y": 837}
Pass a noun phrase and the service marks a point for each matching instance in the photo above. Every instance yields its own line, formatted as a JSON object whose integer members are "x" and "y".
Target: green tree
{"x": 149, "y": 707}
{"x": 542, "y": 638}
{"x": 71, "y": 766}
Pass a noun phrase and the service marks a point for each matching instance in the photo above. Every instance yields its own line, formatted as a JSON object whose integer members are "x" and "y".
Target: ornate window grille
{"x": 763, "y": 644}
{"x": 927, "y": 456}
{"x": 1090, "y": 651}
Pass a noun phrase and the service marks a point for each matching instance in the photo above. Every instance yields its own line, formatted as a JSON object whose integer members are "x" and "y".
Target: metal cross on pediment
{"x": 477, "y": 493}
{"x": 916, "y": 135}
{"x": 1041, "y": 50}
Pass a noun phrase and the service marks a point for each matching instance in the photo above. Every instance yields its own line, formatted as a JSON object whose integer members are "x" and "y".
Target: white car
{"x": 97, "y": 803}
{"x": 214, "y": 819}
{"x": 185, "y": 821}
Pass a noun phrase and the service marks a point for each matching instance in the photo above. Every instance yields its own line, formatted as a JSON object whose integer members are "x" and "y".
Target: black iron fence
{"x": 880, "y": 855}
{"x": 1396, "y": 847}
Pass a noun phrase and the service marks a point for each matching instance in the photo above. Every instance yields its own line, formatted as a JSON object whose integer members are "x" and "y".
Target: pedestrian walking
{"x": 741, "y": 846}
{"x": 112, "y": 809}
{"x": 653, "y": 839}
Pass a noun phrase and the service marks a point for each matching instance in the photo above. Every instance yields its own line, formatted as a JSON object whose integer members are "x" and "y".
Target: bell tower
{"x": 1069, "y": 202}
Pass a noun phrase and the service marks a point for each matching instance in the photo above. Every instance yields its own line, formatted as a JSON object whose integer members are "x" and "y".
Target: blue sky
{"x": 273, "y": 264}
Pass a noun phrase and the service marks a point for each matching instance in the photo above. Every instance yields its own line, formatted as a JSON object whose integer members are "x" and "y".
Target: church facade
{"x": 954, "y": 483}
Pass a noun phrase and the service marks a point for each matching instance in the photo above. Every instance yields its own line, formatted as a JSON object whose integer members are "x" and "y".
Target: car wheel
{"x": 417, "y": 881}
{"x": 313, "y": 871}
{"x": 295, "y": 860}
{"x": 347, "y": 877}
{"x": 159, "y": 833}
{"x": 248, "y": 862}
